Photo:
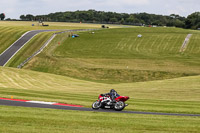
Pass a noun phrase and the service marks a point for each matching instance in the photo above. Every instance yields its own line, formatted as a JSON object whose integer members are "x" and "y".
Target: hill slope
{"x": 177, "y": 95}
{"x": 118, "y": 55}
{"x": 13, "y": 30}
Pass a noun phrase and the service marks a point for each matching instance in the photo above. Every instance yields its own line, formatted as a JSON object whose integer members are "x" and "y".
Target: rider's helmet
{"x": 112, "y": 91}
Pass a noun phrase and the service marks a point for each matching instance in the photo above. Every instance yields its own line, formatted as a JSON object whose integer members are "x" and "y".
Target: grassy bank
{"x": 52, "y": 25}
{"x": 8, "y": 36}
{"x": 12, "y": 30}
{"x": 29, "y": 49}
{"x": 119, "y": 56}
{"x": 179, "y": 95}
{"x": 150, "y": 70}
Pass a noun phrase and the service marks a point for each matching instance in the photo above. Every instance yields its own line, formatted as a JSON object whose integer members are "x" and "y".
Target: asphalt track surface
{"x": 36, "y": 105}
{"x": 16, "y": 46}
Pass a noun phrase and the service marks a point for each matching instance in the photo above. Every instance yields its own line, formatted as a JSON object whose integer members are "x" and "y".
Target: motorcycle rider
{"x": 113, "y": 94}
{"x": 107, "y": 101}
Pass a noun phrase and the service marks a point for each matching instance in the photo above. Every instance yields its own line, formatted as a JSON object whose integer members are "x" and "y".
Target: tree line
{"x": 92, "y": 16}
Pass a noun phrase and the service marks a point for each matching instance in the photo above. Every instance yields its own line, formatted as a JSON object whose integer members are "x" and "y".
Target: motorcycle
{"x": 105, "y": 102}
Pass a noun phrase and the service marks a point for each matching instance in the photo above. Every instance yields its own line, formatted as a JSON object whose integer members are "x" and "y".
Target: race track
{"x": 16, "y": 46}
{"x": 64, "y": 107}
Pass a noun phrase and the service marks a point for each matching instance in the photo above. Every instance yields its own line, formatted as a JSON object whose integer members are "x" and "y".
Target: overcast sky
{"x": 15, "y": 8}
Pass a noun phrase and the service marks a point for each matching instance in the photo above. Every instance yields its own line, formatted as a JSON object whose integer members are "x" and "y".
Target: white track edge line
{"x": 15, "y": 42}
{"x": 19, "y": 49}
{"x": 42, "y": 102}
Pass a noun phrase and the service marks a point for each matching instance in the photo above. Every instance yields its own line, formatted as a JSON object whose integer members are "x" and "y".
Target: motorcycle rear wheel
{"x": 96, "y": 105}
{"x": 119, "y": 106}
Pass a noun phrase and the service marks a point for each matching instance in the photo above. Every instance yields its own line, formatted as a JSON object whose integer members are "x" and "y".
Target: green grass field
{"x": 18, "y": 119}
{"x": 151, "y": 70}
{"x": 118, "y": 56}
{"x": 8, "y": 36}
{"x": 12, "y": 30}
{"x": 179, "y": 95}
{"x": 30, "y": 48}
{"x": 52, "y": 25}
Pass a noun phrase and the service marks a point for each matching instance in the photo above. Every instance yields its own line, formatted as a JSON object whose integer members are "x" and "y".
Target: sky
{"x": 14, "y": 8}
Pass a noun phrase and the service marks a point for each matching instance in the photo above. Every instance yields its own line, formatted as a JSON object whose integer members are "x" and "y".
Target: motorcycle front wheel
{"x": 119, "y": 106}
{"x": 96, "y": 105}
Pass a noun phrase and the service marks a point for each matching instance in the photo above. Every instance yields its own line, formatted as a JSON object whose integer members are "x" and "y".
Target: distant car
{"x": 103, "y": 26}
{"x": 75, "y": 35}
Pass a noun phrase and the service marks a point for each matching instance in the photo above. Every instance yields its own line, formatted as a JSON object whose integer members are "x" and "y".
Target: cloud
{"x": 126, "y": 2}
{"x": 15, "y": 8}
{"x": 182, "y": 7}
{"x": 7, "y": 5}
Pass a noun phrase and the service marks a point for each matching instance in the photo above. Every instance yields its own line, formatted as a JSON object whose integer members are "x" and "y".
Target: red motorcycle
{"x": 105, "y": 102}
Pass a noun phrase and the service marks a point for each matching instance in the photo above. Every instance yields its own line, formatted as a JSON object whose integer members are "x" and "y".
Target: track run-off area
{"x": 54, "y": 105}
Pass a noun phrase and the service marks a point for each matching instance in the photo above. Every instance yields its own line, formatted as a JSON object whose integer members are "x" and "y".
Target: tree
{"x": 113, "y": 20}
{"x": 198, "y": 25}
{"x": 175, "y": 16}
{"x": 193, "y": 20}
{"x": 130, "y": 19}
{"x": 29, "y": 17}
{"x": 122, "y": 21}
{"x": 119, "y": 18}
{"x": 2, "y": 16}
{"x": 179, "y": 23}
{"x": 156, "y": 22}
{"x": 22, "y": 17}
